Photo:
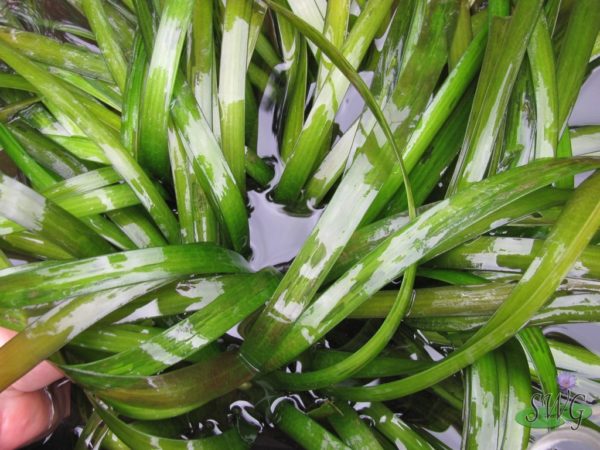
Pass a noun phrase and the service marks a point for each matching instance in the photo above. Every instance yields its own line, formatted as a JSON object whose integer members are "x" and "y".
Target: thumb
{"x": 42, "y": 375}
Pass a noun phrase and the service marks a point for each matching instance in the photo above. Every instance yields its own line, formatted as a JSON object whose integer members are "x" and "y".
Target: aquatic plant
{"x": 458, "y": 216}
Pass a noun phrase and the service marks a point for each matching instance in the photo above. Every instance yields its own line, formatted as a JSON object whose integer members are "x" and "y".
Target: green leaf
{"x": 511, "y": 255}
{"x": 178, "y": 391}
{"x": 38, "y": 176}
{"x": 160, "y": 84}
{"x": 132, "y": 98}
{"x": 139, "y": 439}
{"x": 95, "y": 274}
{"x": 33, "y": 212}
{"x": 536, "y": 347}
{"x": 99, "y": 21}
{"x": 574, "y": 299}
{"x": 232, "y": 85}
{"x": 105, "y": 138}
{"x": 585, "y": 140}
{"x": 353, "y": 431}
{"x": 577, "y": 224}
{"x": 211, "y": 320}
{"x": 575, "y": 358}
{"x": 441, "y": 227}
{"x": 436, "y": 112}
{"x": 543, "y": 74}
{"x": 497, "y": 388}
{"x": 210, "y": 167}
{"x": 58, "y": 326}
{"x": 334, "y": 30}
{"x": 395, "y": 429}
{"x": 201, "y": 67}
{"x": 320, "y": 119}
{"x": 575, "y": 50}
{"x": 46, "y": 153}
{"x": 323, "y": 247}
{"x": 302, "y": 429}
{"x": 80, "y": 184}
{"x": 504, "y": 53}
{"x": 389, "y": 61}
{"x": 54, "y": 53}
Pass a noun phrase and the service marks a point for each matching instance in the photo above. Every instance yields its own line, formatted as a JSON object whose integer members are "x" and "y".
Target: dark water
{"x": 276, "y": 235}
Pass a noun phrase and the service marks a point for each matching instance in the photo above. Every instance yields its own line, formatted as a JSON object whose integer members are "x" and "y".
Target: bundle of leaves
{"x": 453, "y": 226}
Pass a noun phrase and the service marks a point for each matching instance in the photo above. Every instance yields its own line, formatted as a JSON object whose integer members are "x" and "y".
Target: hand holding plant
{"x": 29, "y": 408}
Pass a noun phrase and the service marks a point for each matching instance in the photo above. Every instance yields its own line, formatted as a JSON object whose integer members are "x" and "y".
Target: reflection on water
{"x": 567, "y": 439}
{"x": 586, "y": 111}
{"x": 276, "y": 235}
{"x": 584, "y": 333}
